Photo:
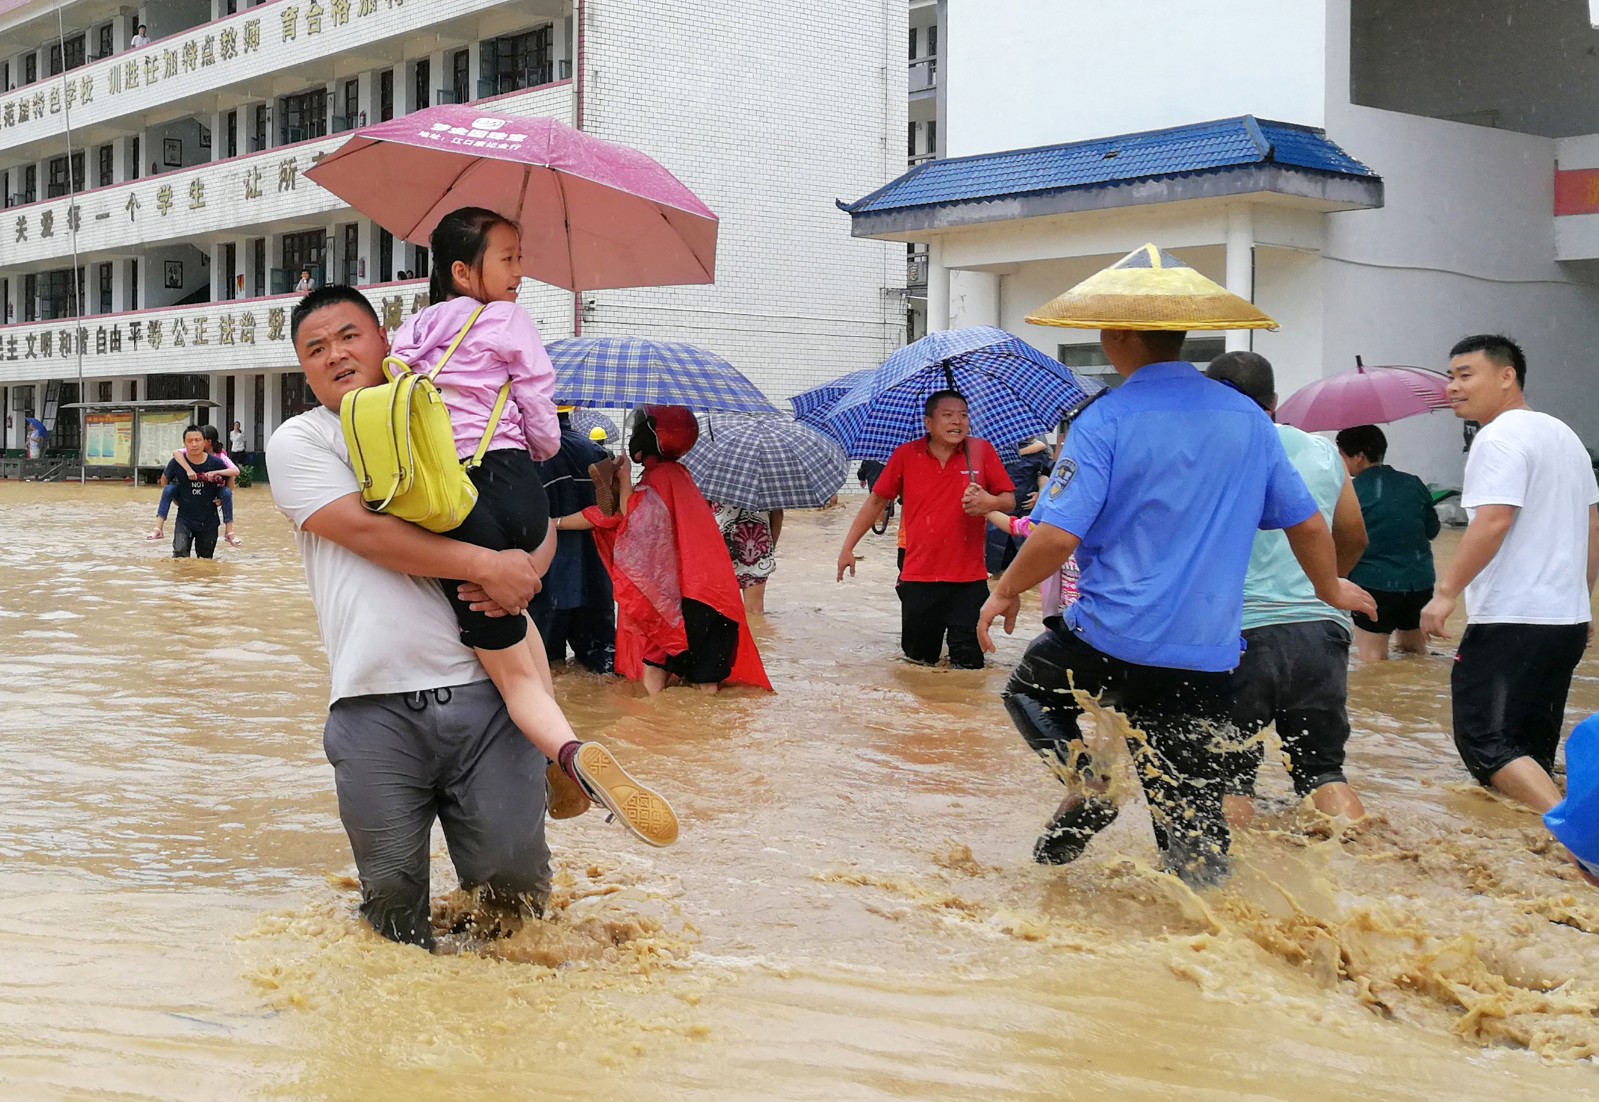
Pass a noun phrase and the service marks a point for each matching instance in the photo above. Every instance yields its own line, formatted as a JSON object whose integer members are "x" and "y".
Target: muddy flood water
{"x": 852, "y": 911}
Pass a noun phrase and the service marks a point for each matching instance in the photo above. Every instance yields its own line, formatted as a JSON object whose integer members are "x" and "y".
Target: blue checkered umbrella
{"x": 586, "y": 421}
{"x": 623, "y": 372}
{"x": 1013, "y": 390}
{"x": 765, "y": 463}
{"x": 810, "y": 406}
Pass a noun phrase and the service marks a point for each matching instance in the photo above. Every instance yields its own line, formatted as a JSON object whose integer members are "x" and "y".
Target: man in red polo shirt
{"x": 950, "y": 481}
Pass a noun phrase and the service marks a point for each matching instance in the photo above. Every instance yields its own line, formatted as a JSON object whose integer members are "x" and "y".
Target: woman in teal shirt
{"x": 1397, "y": 566}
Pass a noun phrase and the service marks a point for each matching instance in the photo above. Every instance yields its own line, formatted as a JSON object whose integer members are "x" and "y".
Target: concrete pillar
{"x": 973, "y": 299}
{"x": 274, "y": 410}
{"x": 937, "y": 288}
{"x": 1240, "y": 267}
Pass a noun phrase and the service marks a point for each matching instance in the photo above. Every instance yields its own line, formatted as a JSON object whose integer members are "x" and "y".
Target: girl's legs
{"x": 168, "y": 492}
{"x": 1411, "y": 642}
{"x": 227, "y": 516}
{"x": 515, "y": 672}
{"x": 546, "y": 552}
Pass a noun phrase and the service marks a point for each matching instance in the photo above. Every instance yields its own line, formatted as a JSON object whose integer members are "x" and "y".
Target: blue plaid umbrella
{"x": 623, "y": 372}
{"x": 1013, "y": 390}
{"x": 810, "y": 406}
{"x": 586, "y": 421}
{"x": 766, "y": 463}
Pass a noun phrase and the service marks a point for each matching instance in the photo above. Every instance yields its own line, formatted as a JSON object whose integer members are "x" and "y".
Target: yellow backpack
{"x": 403, "y": 448}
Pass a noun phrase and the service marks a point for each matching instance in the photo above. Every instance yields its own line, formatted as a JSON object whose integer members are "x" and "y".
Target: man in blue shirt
{"x": 1159, "y": 491}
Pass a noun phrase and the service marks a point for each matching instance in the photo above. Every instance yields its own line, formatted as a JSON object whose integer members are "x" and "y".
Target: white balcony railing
{"x": 923, "y": 75}
{"x": 254, "y": 189}
{"x": 252, "y": 44}
{"x": 244, "y": 335}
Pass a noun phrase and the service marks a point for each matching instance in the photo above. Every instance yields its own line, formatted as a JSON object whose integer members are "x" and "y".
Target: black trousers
{"x": 203, "y": 541}
{"x": 512, "y": 512}
{"x": 1296, "y": 676}
{"x": 1182, "y": 713}
{"x": 590, "y": 631}
{"x": 930, "y": 611}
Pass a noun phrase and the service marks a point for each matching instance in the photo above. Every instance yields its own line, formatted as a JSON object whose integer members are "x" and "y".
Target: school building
{"x": 157, "y": 216}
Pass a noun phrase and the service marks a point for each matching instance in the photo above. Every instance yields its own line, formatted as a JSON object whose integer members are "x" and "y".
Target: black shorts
{"x": 712, "y": 646}
{"x": 930, "y": 611}
{"x": 1509, "y": 689}
{"x": 1297, "y": 677}
{"x": 511, "y": 513}
{"x": 1395, "y": 611}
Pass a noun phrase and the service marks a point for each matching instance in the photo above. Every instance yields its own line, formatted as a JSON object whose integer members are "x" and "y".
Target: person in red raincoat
{"x": 679, "y": 610}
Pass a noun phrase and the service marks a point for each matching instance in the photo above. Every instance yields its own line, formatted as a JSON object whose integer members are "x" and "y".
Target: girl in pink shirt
{"x": 477, "y": 262}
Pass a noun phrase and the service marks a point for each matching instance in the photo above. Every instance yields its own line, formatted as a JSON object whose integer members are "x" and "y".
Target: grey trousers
{"x": 404, "y": 759}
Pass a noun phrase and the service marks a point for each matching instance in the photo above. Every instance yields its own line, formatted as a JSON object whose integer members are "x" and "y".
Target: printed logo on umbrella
{"x": 484, "y": 133}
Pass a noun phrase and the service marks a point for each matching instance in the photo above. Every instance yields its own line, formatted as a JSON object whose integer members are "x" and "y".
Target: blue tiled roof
{"x": 1125, "y": 158}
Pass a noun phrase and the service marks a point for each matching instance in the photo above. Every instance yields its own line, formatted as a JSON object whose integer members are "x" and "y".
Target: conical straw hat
{"x": 1150, "y": 289}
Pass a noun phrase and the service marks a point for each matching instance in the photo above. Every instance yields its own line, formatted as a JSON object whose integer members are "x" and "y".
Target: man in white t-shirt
{"x": 142, "y": 38}
{"x": 415, "y": 729}
{"x": 1527, "y": 565}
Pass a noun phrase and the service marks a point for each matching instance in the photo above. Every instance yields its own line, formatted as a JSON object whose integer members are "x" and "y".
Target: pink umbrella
{"x": 1364, "y": 396}
{"x": 593, "y": 214}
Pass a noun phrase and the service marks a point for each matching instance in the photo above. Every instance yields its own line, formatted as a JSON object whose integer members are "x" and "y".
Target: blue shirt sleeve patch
{"x": 1065, "y": 471}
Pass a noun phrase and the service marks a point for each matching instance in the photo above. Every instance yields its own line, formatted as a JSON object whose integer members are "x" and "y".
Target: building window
{"x": 258, "y": 249}
{"x": 30, "y": 68}
{"x": 58, "y": 298}
{"x": 58, "y": 176}
{"x": 258, "y": 131}
{"x": 179, "y": 388}
{"x": 105, "y": 44}
{"x": 460, "y": 76}
{"x": 385, "y": 95}
{"x": 296, "y": 394}
{"x": 30, "y": 184}
{"x": 385, "y": 257}
{"x": 913, "y": 44}
{"x": 421, "y": 86}
{"x": 302, "y": 252}
{"x": 352, "y": 251}
{"x": 932, "y": 41}
{"x": 352, "y": 108}
{"x": 517, "y": 61}
{"x": 133, "y": 285}
{"x": 910, "y": 141}
{"x": 106, "y": 157}
{"x": 1088, "y": 360}
{"x": 232, "y": 138}
{"x": 104, "y": 277}
{"x": 932, "y": 137}
{"x": 103, "y": 391}
{"x": 231, "y": 283}
{"x": 304, "y": 116}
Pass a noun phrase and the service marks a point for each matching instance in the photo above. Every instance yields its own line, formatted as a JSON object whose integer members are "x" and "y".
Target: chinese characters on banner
{"x": 251, "y": 326}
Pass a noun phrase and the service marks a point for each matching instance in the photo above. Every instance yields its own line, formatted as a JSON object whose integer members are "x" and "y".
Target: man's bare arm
{"x": 1348, "y": 529}
{"x": 1312, "y": 546}
{"x": 1484, "y": 536}
{"x": 871, "y": 509}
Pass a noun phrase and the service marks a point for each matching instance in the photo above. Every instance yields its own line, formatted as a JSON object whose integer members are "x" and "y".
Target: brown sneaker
{"x": 603, "y": 474}
{"x": 564, "y": 797}
{"x": 645, "y": 813}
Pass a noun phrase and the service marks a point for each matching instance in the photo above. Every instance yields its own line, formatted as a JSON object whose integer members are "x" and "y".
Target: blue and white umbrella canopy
{"x": 586, "y": 421}
{"x": 810, "y": 406}
{"x": 624, "y": 372}
{"x": 765, "y": 463}
{"x": 1013, "y": 390}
